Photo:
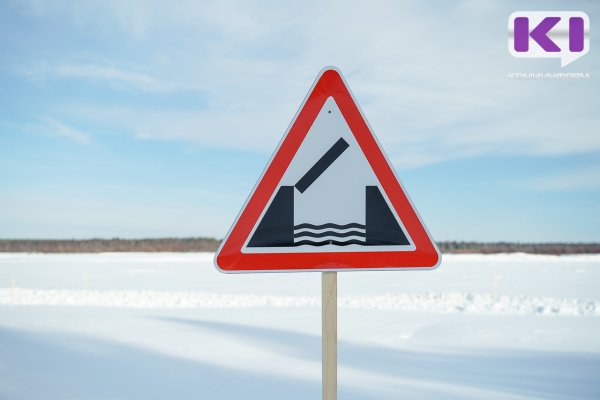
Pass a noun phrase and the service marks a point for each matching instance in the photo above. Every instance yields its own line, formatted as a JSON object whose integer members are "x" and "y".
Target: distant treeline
{"x": 507, "y": 247}
{"x": 177, "y": 245}
{"x": 208, "y": 244}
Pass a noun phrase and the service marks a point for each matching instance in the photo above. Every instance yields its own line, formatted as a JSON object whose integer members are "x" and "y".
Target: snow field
{"x": 162, "y": 326}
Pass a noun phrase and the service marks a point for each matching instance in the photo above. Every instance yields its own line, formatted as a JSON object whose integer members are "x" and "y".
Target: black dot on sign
{"x": 329, "y": 111}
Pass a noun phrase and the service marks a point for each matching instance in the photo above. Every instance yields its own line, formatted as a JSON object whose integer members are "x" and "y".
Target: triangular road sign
{"x": 328, "y": 199}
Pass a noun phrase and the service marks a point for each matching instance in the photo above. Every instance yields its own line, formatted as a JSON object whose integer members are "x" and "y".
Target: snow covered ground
{"x": 169, "y": 326}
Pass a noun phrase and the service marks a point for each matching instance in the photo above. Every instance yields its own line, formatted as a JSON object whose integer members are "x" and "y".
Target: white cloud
{"x": 111, "y": 75}
{"x": 576, "y": 179}
{"x": 53, "y": 127}
{"x": 432, "y": 80}
{"x": 96, "y": 72}
{"x": 236, "y": 130}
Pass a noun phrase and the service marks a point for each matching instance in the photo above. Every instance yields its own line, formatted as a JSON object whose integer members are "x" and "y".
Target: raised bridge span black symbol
{"x": 277, "y": 229}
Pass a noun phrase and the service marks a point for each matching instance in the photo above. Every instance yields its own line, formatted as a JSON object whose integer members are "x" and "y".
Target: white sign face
{"x": 329, "y": 199}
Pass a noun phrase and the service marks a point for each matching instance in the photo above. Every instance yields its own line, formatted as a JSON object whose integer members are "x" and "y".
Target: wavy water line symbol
{"x": 329, "y": 233}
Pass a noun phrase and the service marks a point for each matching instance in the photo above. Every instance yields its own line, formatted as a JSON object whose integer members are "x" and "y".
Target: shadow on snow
{"x": 57, "y": 366}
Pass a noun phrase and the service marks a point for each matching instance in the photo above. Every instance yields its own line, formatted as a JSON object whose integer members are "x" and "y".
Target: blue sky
{"x": 154, "y": 119}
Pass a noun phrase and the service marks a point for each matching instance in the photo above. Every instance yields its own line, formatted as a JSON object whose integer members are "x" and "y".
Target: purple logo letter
{"x": 539, "y": 34}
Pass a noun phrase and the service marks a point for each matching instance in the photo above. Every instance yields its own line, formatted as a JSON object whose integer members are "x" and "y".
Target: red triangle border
{"x": 230, "y": 258}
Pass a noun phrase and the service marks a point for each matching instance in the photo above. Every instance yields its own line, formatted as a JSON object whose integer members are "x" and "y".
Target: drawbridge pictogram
{"x": 278, "y": 228}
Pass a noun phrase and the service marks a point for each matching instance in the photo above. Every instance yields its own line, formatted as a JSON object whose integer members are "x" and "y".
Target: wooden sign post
{"x": 329, "y": 334}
